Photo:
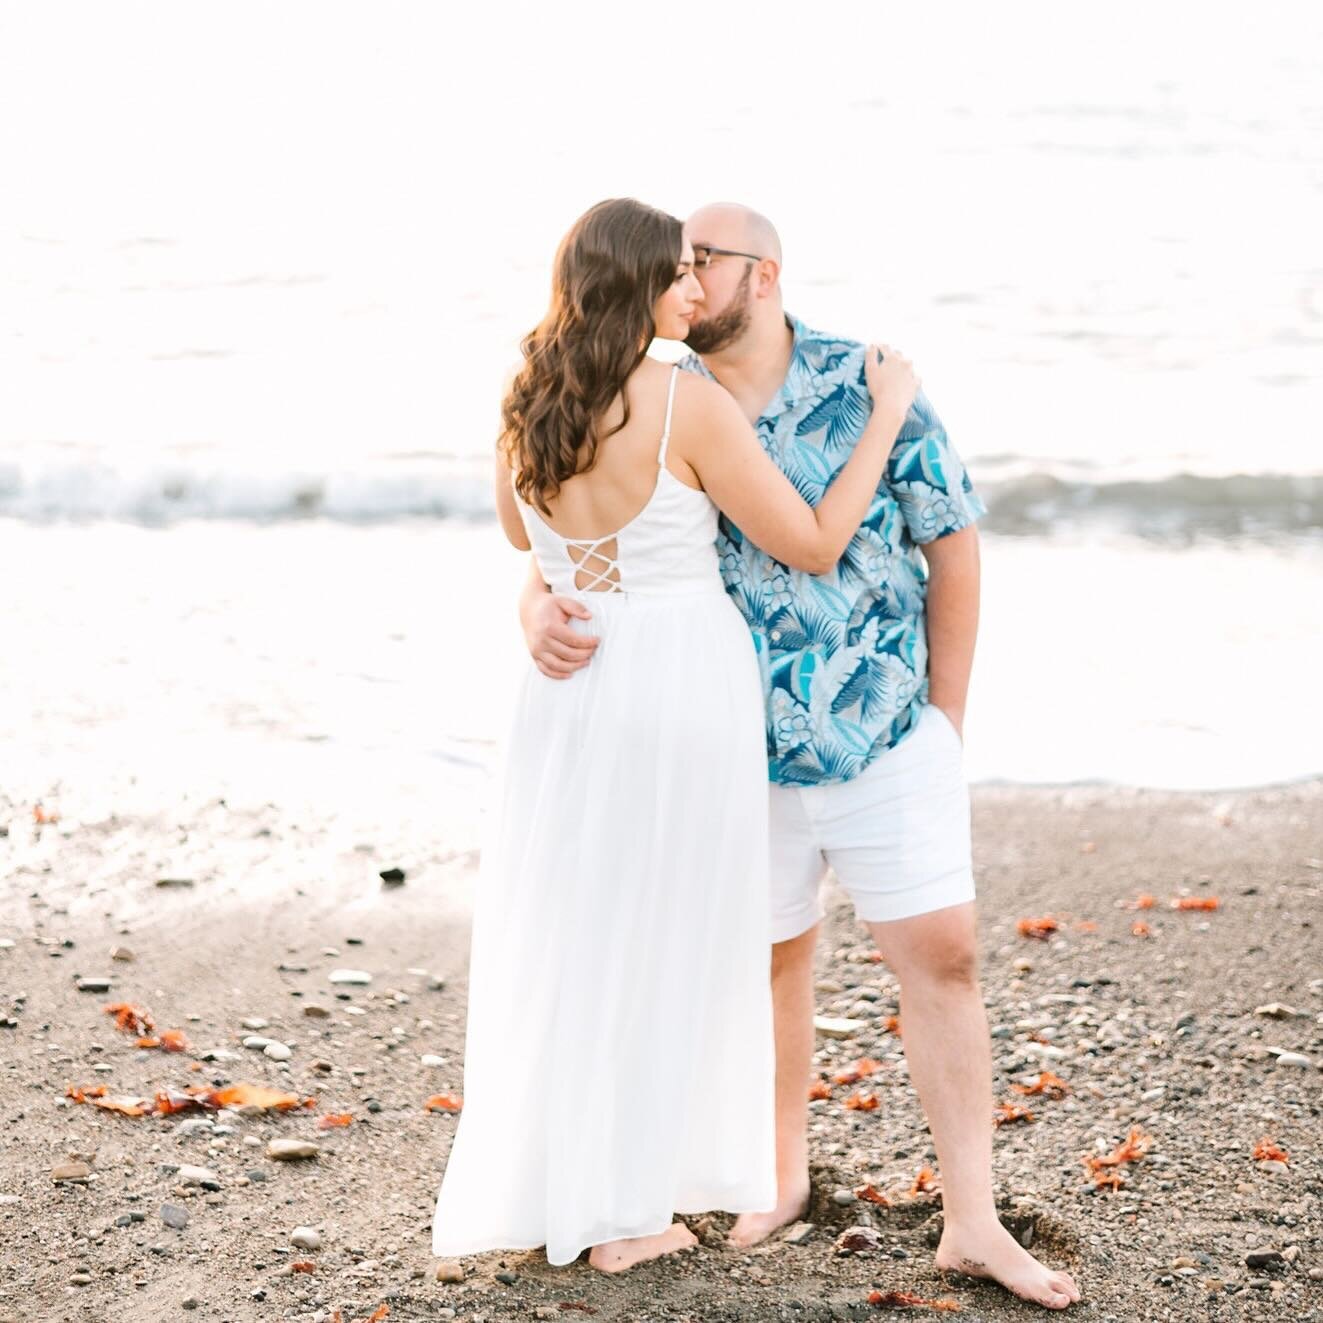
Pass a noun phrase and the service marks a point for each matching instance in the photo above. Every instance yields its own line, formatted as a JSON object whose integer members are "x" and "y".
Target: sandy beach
{"x": 228, "y": 920}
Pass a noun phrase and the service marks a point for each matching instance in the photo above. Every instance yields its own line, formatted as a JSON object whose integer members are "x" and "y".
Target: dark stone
{"x": 1263, "y": 1258}
{"x": 508, "y": 1278}
{"x": 392, "y": 877}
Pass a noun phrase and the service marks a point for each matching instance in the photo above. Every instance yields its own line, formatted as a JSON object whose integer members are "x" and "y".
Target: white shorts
{"x": 896, "y": 836}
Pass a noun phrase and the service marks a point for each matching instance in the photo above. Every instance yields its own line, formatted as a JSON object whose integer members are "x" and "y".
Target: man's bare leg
{"x": 947, "y": 1047}
{"x": 792, "y": 1012}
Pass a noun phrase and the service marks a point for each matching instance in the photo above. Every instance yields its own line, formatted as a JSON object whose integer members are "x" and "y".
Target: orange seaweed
{"x": 444, "y": 1102}
{"x": 892, "y": 1025}
{"x": 860, "y": 1070}
{"x": 333, "y": 1119}
{"x": 1195, "y": 903}
{"x": 925, "y": 1182}
{"x": 1047, "y": 1084}
{"x": 1130, "y": 1149}
{"x": 908, "y": 1300}
{"x": 869, "y": 1195}
{"x": 819, "y": 1089}
{"x": 254, "y": 1095}
{"x": 1140, "y": 929}
{"x": 862, "y": 1102}
{"x": 303, "y": 1265}
{"x": 1009, "y": 1112}
{"x": 132, "y": 1019}
{"x": 1266, "y": 1151}
{"x": 1042, "y": 928}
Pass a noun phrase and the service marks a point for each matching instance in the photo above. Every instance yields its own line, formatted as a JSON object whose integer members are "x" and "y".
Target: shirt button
{"x": 776, "y": 636}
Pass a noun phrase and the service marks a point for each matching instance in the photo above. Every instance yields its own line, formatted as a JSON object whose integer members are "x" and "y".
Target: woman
{"x": 619, "y": 1064}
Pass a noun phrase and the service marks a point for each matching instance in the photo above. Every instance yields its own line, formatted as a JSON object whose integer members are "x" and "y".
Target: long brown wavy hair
{"x": 617, "y": 260}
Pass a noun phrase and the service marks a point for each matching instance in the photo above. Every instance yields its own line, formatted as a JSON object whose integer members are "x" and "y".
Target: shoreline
{"x": 1174, "y": 1012}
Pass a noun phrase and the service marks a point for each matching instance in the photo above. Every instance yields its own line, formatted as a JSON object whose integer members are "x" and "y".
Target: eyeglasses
{"x": 704, "y": 253}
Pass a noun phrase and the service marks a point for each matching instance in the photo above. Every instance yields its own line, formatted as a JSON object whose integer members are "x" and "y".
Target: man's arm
{"x": 558, "y": 650}
{"x": 952, "y": 612}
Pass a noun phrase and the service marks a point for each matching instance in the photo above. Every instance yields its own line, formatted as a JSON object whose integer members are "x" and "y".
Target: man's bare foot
{"x": 754, "y": 1228}
{"x": 992, "y": 1252}
{"x": 618, "y": 1255}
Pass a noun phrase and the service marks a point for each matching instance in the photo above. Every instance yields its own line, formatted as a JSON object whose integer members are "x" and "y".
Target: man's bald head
{"x": 733, "y": 225}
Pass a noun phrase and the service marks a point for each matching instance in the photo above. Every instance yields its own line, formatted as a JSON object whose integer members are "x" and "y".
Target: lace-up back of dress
{"x": 667, "y": 548}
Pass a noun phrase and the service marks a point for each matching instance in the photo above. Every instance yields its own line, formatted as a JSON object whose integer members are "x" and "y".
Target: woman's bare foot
{"x": 754, "y": 1228}
{"x": 991, "y": 1251}
{"x": 618, "y": 1255}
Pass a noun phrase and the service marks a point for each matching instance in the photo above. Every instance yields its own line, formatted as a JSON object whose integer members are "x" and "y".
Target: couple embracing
{"x": 759, "y": 566}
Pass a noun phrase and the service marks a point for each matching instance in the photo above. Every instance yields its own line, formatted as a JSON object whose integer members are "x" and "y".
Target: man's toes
{"x": 1064, "y": 1282}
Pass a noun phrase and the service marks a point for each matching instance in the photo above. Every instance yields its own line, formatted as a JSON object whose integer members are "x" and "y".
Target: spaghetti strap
{"x": 666, "y": 430}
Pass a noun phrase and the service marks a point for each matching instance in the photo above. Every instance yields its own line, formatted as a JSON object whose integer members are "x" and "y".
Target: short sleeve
{"x": 928, "y": 479}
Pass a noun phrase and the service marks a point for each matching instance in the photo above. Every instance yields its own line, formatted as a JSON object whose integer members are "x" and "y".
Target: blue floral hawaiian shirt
{"x": 844, "y": 655}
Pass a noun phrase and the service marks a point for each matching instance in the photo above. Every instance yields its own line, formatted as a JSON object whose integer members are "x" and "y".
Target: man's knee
{"x": 940, "y": 948}
{"x": 794, "y": 953}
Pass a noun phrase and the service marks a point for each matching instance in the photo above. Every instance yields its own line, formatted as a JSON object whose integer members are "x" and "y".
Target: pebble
{"x": 191, "y": 1303}
{"x": 7, "y": 1199}
{"x": 288, "y": 1150}
{"x": 6, "y": 943}
{"x": 72, "y": 1171}
{"x": 354, "y": 977}
{"x": 316, "y": 1012}
{"x": 837, "y": 1027}
{"x": 798, "y": 1233}
{"x": 431, "y": 1059}
{"x": 81, "y": 1279}
{"x": 843, "y": 1197}
{"x": 1262, "y": 1258}
{"x": 1274, "y": 1010}
{"x": 174, "y": 881}
{"x": 121, "y": 953}
{"x": 93, "y": 985}
{"x": 858, "y": 1238}
{"x": 1275, "y": 1166}
{"x": 1291, "y": 1253}
{"x": 190, "y": 1175}
{"x": 546, "y": 1311}
{"x": 450, "y": 1270}
{"x": 507, "y": 1278}
{"x": 392, "y": 877}
{"x": 277, "y": 1052}
{"x": 174, "y": 1216}
{"x": 305, "y": 1238}
{"x": 256, "y": 1043}
{"x": 1316, "y": 1274}
{"x": 254, "y": 1022}
{"x": 1294, "y": 1059}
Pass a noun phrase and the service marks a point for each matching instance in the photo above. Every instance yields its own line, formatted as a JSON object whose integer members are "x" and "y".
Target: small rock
{"x": 189, "y": 1175}
{"x": 191, "y": 1303}
{"x": 1274, "y": 1010}
{"x": 1023, "y": 965}
{"x": 7, "y": 1200}
{"x": 1297, "y": 1059}
{"x": 507, "y": 1278}
{"x": 121, "y": 953}
{"x": 354, "y": 977}
{"x": 1275, "y": 1166}
{"x": 256, "y": 1043}
{"x": 392, "y": 877}
{"x": 450, "y": 1270}
{"x": 431, "y": 1059}
{"x": 174, "y": 1216}
{"x": 277, "y": 1052}
{"x": 316, "y": 1012}
{"x": 305, "y": 1238}
{"x": 1262, "y": 1258}
{"x": 174, "y": 881}
{"x": 843, "y": 1197}
{"x": 72, "y": 1171}
{"x": 1316, "y": 1274}
{"x": 858, "y": 1238}
{"x": 798, "y": 1233}
{"x": 289, "y": 1150}
{"x": 837, "y": 1027}
{"x": 1291, "y": 1253}
{"x": 81, "y": 1278}
{"x": 94, "y": 985}
{"x": 253, "y": 1022}
{"x": 546, "y": 1311}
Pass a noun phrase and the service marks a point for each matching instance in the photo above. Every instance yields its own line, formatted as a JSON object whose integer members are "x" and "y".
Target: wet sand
{"x": 1159, "y": 1032}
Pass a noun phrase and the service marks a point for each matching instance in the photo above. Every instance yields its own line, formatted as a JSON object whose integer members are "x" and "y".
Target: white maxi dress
{"x": 619, "y": 1059}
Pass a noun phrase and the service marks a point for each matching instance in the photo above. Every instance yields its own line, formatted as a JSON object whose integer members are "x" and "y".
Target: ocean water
{"x": 259, "y": 285}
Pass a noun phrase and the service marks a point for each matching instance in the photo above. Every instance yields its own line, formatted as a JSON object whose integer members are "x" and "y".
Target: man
{"x": 865, "y": 671}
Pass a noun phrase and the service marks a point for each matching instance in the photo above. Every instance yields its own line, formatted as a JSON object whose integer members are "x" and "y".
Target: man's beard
{"x": 716, "y": 333}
